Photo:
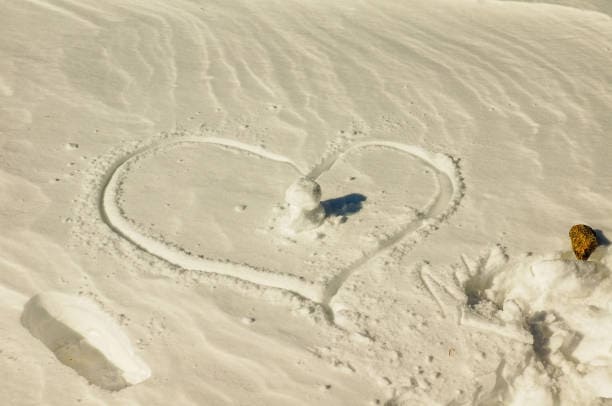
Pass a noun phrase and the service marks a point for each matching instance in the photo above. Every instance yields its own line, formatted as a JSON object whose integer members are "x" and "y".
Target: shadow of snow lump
{"x": 344, "y": 206}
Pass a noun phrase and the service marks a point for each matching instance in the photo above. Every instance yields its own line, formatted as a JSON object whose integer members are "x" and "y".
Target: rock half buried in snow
{"x": 84, "y": 338}
{"x": 584, "y": 241}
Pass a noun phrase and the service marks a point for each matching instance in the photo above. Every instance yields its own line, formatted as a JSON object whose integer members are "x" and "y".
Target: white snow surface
{"x": 147, "y": 155}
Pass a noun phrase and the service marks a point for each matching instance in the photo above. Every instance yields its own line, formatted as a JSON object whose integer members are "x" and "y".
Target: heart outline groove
{"x": 449, "y": 193}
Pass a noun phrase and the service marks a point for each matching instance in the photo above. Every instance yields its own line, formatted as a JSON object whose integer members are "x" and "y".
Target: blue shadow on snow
{"x": 601, "y": 238}
{"x": 343, "y": 206}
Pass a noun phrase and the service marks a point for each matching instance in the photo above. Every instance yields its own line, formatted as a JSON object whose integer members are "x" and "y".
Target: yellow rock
{"x": 584, "y": 241}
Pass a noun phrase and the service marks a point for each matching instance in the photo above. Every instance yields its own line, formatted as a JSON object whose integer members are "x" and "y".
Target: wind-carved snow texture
{"x": 449, "y": 191}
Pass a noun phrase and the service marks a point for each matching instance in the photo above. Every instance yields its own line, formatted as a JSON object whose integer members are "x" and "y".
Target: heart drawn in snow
{"x": 213, "y": 205}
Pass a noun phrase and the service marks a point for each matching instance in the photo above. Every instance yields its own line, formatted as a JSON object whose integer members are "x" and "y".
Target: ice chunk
{"x": 84, "y": 338}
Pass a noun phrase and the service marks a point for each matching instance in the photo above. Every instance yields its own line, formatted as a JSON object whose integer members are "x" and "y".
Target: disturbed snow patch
{"x": 84, "y": 338}
{"x": 562, "y": 308}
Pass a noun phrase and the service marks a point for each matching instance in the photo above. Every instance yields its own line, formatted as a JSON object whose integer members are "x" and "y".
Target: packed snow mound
{"x": 550, "y": 284}
{"x": 565, "y": 306}
{"x": 304, "y": 203}
{"x": 84, "y": 338}
{"x": 304, "y": 193}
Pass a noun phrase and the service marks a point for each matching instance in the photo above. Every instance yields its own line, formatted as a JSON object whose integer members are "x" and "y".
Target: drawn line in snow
{"x": 448, "y": 298}
{"x": 449, "y": 193}
{"x": 432, "y": 287}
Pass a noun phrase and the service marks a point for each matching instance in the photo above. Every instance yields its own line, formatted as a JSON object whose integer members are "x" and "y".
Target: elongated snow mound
{"x": 84, "y": 338}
